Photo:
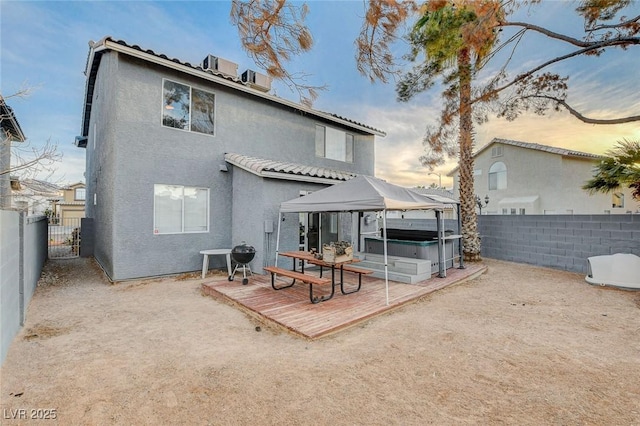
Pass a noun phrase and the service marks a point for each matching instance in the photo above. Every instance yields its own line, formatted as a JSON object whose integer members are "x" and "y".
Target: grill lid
{"x": 243, "y": 253}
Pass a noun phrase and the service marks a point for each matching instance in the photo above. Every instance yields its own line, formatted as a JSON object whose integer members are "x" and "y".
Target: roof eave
{"x": 13, "y": 127}
{"x": 108, "y": 44}
{"x": 285, "y": 176}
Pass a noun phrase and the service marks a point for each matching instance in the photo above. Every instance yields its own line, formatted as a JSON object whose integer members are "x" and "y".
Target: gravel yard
{"x": 518, "y": 345}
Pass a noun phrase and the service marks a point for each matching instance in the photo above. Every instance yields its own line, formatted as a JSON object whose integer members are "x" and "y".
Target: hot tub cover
{"x": 618, "y": 270}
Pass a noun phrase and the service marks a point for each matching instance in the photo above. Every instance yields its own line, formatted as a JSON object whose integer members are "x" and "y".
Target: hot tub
{"x": 412, "y": 249}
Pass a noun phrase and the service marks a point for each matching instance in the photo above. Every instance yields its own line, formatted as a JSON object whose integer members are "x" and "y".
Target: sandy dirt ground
{"x": 518, "y": 345}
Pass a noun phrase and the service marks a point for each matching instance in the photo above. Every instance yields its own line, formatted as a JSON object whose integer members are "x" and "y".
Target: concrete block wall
{"x": 558, "y": 241}
{"x": 23, "y": 251}
{"x": 10, "y": 298}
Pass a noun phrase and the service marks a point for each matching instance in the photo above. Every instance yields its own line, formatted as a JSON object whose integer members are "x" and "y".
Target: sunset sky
{"x": 44, "y": 45}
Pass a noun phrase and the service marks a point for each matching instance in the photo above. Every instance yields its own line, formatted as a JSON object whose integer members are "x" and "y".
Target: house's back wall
{"x": 133, "y": 151}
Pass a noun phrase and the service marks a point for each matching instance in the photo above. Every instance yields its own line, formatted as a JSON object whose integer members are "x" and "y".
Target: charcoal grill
{"x": 242, "y": 254}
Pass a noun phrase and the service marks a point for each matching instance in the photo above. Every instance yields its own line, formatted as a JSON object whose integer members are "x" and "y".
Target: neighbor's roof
{"x": 535, "y": 146}
{"x": 40, "y": 186}
{"x": 9, "y": 122}
{"x": 288, "y": 171}
{"x": 74, "y": 185}
{"x": 546, "y": 148}
{"x": 107, "y": 43}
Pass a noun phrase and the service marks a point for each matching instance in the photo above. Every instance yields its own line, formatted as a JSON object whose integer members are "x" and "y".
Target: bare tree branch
{"x": 382, "y": 20}
{"x": 584, "y": 119}
{"x": 272, "y": 32}
{"x": 29, "y": 161}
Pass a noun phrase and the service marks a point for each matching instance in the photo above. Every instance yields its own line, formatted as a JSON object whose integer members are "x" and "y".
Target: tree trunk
{"x": 470, "y": 237}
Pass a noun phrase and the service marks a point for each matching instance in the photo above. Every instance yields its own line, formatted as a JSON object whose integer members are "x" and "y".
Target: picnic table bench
{"x": 343, "y": 267}
{"x": 302, "y": 277}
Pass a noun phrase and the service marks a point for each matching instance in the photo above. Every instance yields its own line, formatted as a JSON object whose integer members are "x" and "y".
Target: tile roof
{"x": 285, "y": 170}
{"x": 536, "y": 146}
{"x": 40, "y": 186}
{"x": 9, "y": 122}
{"x": 552, "y": 149}
{"x": 108, "y": 43}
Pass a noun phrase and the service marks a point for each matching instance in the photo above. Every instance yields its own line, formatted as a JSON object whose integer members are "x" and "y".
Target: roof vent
{"x": 220, "y": 65}
{"x": 256, "y": 80}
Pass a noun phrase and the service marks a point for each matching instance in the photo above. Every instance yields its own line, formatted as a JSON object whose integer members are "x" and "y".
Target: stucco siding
{"x": 551, "y": 184}
{"x": 102, "y": 163}
{"x": 134, "y": 151}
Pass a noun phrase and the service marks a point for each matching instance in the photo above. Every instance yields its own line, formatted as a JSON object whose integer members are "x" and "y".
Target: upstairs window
{"x": 80, "y": 194}
{"x": 334, "y": 144}
{"x": 187, "y": 108}
{"x": 498, "y": 176}
{"x": 496, "y": 151}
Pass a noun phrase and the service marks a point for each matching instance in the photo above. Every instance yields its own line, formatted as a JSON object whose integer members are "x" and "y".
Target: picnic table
{"x": 307, "y": 257}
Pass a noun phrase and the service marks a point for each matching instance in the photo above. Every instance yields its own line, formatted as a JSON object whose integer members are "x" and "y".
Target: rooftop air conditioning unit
{"x": 256, "y": 80}
{"x": 221, "y": 65}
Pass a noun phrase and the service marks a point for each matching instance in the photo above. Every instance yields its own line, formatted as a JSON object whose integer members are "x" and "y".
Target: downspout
{"x": 441, "y": 269}
{"x": 386, "y": 264}
{"x": 278, "y": 238}
{"x": 460, "y": 253}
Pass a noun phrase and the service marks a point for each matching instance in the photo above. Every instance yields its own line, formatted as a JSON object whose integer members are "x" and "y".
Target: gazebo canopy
{"x": 362, "y": 193}
{"x": 366, "y": 193}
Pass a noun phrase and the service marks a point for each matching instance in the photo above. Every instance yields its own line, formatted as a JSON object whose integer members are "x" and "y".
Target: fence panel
{"x": 558, "y": 241}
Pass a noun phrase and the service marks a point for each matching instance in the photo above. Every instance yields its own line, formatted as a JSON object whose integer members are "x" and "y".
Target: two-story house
{"x": 530, "y": 178}
{"x": 181, "y": 158}
{"x": 10, "y": 131}
{"x": 70, "y": 208}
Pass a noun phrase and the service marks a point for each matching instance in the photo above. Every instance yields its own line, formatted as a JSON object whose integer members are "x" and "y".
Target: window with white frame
{"x": 617, "y": 200}
{"x": 496, "y": 151}
{"x": 80, "y": 194}
{"x": 334, "y": 144}
{"x": 498, "y": 176}
{"x": 187, "y": 108}
{"x": 180, "y": 209}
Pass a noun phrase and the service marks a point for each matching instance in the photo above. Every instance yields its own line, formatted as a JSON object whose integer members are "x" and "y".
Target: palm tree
{"x": 456, "y": 35}
{"x": 621, "y": 167}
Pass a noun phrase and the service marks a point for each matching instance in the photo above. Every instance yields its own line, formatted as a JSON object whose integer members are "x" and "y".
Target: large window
{"x": 180, "y": 209}
{"x": 187, "y": 108}
{"x": 334, "y": 144}
{"x": 498, "y": 176}
{"x": 80, "y": 194}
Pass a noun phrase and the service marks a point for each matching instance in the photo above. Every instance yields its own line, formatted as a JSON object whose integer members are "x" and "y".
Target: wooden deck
{"x": 291, "y": 309}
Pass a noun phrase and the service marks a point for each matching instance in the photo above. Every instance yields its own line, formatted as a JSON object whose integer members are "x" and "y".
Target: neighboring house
{"x": 181, "y": 158}
{"x": 529, "y": 178}
{"x": 71, "y": 207}
{"x": 10, "y": 131}
{"x": 35, "y": 196}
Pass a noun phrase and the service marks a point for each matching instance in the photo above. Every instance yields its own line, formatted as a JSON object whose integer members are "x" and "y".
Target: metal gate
{"x": 64, "y": 237}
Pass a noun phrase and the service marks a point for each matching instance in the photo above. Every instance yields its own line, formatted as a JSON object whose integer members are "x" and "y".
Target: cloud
{"x": 397, "y": 154}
